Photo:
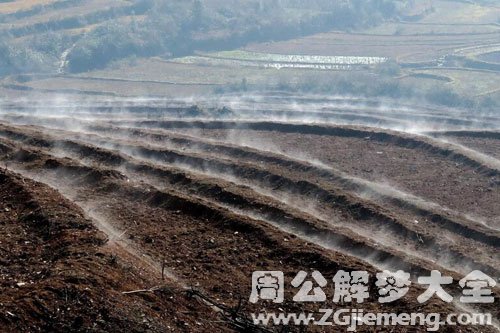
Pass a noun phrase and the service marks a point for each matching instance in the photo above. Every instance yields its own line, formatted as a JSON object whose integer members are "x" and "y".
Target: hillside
{"x": 134, "y": 48}
{"x": 249, "y": 166}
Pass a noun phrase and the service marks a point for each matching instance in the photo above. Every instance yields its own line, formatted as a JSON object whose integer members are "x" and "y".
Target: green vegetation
{"x": 18, "y": 59}
{"x": 387, "y": 48}
{"x": 177, "y": 28}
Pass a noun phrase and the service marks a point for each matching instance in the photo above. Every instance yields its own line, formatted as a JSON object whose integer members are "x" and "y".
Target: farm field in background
{"x": 18, "y": 5}
{"x": 152, "y": 160}
{"x": 426, "y": 42}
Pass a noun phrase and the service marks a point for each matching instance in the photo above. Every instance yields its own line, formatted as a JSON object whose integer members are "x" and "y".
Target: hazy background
{"x": 430, "y": 51}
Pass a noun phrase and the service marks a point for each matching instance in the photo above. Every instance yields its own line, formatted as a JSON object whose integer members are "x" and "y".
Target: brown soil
{"x": 60, "y": 274}
{"x": 87, "y": 215}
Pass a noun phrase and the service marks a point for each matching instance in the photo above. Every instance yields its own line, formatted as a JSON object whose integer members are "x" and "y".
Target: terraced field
{"x": 277, "y": 61}
{"x": 7, "y": 7}
{"x": 24, "y": 20}
{"x": 206, "y": 195}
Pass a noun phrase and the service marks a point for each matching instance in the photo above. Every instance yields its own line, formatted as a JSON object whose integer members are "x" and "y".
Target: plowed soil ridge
{"x": 217, "y": 192}
{"x": 183, "y": 208}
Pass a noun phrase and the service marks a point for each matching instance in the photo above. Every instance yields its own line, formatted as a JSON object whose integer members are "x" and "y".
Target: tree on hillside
{"x": 4, "y": 58}
{"x": 197, "y": 13}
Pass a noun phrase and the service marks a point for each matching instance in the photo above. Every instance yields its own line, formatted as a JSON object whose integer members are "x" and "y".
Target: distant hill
{"x": 44, "y": 36}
